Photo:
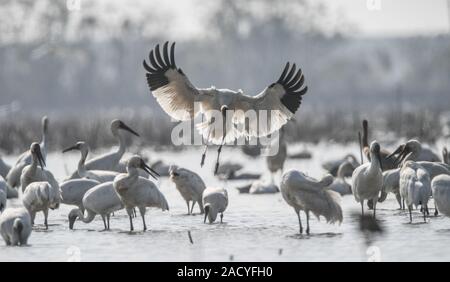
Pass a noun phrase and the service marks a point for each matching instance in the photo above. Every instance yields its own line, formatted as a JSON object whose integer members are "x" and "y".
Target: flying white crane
{"x": 367, "y": 179}
{"x": 15, "y": 226}
{"x": 415, "y": 186}
{"x": 182, "y": 101}
{"x": 25, "y": 158}
{"x": 31, "y": 173}
{"x": 136, "y": 191}
{"x": 189, "y": 184}
{"x": 98, "y": 175}
{"x": 305, "y": 193}
{"x": 441, "y": 193}
{"x": 215, "y": 201}
{"x": 110, "y": 161}
{"x": 101, "y": 199}
{"x": 41, "y": 196}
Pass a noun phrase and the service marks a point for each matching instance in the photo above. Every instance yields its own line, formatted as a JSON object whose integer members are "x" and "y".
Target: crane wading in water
{"x": 177, "y": 96}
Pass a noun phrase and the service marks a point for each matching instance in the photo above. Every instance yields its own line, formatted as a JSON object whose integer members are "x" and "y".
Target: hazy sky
{"x": 394, "y": 17}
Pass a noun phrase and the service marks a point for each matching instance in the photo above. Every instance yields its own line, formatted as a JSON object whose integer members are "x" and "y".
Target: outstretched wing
{"x": 279, "y": 102}
{"x": 170, "y": 86}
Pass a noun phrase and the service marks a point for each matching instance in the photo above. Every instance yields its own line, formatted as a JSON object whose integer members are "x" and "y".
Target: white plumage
{"x": 367, "y": 179}
{"x": 136, "y": 191}
{"x": 415, "y": 186}
{"x": 441, "y": 193}
{"x": 391, "y": 184}
{"x": 215, "y": 201}
{"x": 15, "y": 226}
{"x": 101, "y": 199}
{"x": 25, "y": 158}
{"x": 73, "y": 190}
{"x": 41, "y": 196}
{"x": 189, "y": 184}
{"x": 413, "y": 150}
{"x": 304, "y": 193}
{"x": 110, "y": 161}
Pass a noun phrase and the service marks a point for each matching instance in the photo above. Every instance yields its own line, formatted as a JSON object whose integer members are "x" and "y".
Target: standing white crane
{"x": 110, "y": 161}
{"x": 224, "y": 110}
{"x": 15, "y": 226}
{"x": 276, "y": 162}
{"x": 136, "y": 191}
{"x": 441, "y": 193}
{"x": 339, "y": 184}
{"x": 41, "y": 196}
{"x": 215, "y": 201}
{"x": 305, "y": 193}
{"x": 31, "y": 173}
{"x": 189, "y": 184}
{"x": 391, "y": 184}
{"x": 367, "y": 179}
{"x": 25, "y": 158}
{"x": 415, "y": 186}
{"x": 97, "y": 175}
{"x": 101, "y": 199}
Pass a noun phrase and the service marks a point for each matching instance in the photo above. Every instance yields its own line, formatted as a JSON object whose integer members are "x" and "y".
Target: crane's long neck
{"x": 375, "y": 165}
{"x": 89, "y": 217}
{"x": 34, "y": 164}
{"x": 44, "y": 137}
{"x": 132, "y": 176}
{"x": 121, "y": 140}
{"x": 81, "y": 167}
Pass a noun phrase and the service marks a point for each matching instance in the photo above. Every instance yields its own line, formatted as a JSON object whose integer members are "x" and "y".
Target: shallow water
{"x": 256, "y": 227}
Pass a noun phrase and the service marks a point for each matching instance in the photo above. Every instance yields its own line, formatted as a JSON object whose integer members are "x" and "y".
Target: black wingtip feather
{"x": 159, "y": 64}
{"x": 292, "y": 81}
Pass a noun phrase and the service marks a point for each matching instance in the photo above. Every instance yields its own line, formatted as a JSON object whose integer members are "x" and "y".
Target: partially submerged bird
{"x": 441, "y": 193}
{"x": 367, "y": 179}
{"x": 110, "y": 161}
{"x": 415, "y": 186}
{"x": 25, "y": 158}
{"x": 101, "y": 199}
{"x": 97, "y": 175}
{"x": 35, "y": 171}
{"x": 224, "y": 110}
{"x": 41, "y": 196}
{"x": 305, "y": 193}
{"x": 190, "y": 185}
{"x": 136, "y": 191}
{"x": 15, "y": 226}
{"x": 215, "y": 201}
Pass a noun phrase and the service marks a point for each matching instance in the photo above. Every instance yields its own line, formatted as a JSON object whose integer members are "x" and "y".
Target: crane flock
{"x": 111, "y": 182}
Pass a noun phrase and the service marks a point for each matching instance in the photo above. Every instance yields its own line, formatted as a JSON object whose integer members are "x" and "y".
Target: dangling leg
{"x": 299, "y": 220}
{"x": 192, "y": 207}
{"x": 218, "y": 155}
{"x": 307, "y": 222}
{"x": 206, "y": 148}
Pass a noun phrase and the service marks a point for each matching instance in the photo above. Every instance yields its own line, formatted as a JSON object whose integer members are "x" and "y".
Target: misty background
{"x": 80, "y": 63}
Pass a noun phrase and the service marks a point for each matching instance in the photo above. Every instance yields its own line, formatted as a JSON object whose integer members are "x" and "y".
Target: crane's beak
{"x": 40, "y": 158}
{"x": 398, "y": 150}
{"x": 404, "y": 152}
{"x": 127, "y": 128}
{"x": 149, "y": 170}
{"x": 74, "y": 147}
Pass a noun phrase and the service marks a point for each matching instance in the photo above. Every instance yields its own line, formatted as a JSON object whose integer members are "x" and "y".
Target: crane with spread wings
{"x": 181, "y": 100}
